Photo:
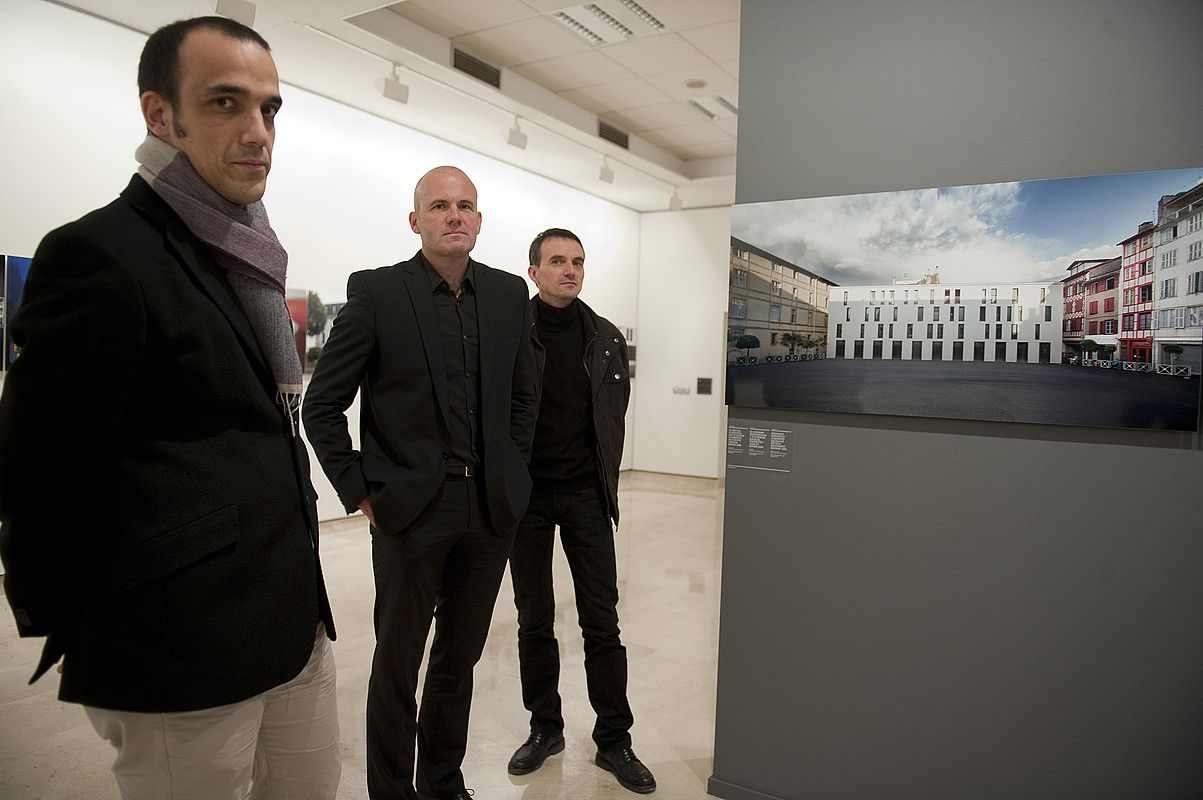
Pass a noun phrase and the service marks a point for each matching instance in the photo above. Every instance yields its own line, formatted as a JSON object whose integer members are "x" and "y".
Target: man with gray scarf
{"x": 158, "y": 523}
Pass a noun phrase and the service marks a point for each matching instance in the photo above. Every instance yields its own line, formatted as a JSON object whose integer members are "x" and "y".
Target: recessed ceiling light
{"x": 695, "y": 83}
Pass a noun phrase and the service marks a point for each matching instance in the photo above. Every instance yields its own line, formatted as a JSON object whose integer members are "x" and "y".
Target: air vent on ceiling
{"x": 481, "y": 70}
{"x": 613, "y": 134}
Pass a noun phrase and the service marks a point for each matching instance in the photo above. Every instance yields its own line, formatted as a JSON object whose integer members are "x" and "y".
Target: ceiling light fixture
{"x": 727, "y": 104}
{"x": 394, "y": 89}
{"x": 598, "y": 12}
{"x": 605, "y": 174}
{"x": 643, "y": 14}
{"x": 701, "y": 109}
{"x": 580, "y": 30}
{"x": 517, "y": 137}
{"x": 674, "y": 202}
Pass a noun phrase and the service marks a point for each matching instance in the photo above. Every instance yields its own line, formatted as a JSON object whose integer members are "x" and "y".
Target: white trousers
{"x": 279, "y": 745}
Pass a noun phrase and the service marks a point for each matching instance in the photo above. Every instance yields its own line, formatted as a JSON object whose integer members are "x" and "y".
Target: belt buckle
{"x": 468, "y": 471}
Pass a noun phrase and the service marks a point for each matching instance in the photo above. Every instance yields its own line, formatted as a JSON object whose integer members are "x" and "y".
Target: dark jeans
{"x": 446, "y": 567}
{"x": 588, "y": 542}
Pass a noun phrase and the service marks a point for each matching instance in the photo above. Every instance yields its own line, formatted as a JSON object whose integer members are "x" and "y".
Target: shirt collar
{"x": 436, "y": 280}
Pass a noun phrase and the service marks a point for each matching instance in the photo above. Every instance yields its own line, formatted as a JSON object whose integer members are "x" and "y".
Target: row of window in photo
{"x": 1079, "y": 305}
{"x": 950, "y": 296}
{"x": 934, "y": 331}
{"x": 934, "y": 351}
{"x": 1168, "y": 260}
{"x": 1193, "y": 225}
{"x": 1166, "y": 289}
{"x": 955, "y": 314}
{"x": 1169, "y": 286}
{"x": 739, "y": 279}
{"x": 1135, "y": 246}
{"x": 1182, "y": 317}
{"x": 1092, "y": 285}
{"x": 739, "y": 310}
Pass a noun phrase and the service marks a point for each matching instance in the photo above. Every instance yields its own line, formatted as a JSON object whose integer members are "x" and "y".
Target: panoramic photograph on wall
{"x": 1075, "y": 301}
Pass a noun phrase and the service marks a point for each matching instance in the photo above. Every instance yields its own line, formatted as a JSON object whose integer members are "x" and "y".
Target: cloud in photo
{"x": 966, "y": 234}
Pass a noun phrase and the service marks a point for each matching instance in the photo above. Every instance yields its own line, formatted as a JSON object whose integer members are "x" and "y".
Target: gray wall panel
{"x": 842, "y": 98}
{"x": 932, "y": 608}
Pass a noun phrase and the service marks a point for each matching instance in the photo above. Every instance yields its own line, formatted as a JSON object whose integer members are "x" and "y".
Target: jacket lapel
{"x": 417, "y": 287}
{"x": 204, "y": 272}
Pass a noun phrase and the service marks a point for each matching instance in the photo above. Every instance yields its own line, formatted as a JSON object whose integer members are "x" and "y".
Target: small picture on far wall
{"x": 298, "y": 309}
{"x": 1075, "y": 301}
{"x": 12, "y": 292}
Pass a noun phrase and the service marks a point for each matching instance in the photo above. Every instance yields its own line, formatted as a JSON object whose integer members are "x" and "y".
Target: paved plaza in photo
{"x": 1056, "y": 394}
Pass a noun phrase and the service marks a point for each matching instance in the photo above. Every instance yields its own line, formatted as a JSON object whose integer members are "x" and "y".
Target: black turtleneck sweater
{"x": 562, "y": 457}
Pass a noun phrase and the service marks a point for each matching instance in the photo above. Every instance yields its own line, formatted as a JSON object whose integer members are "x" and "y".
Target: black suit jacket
{"x": 159, "y": 525}
{"x": 385, "y": 343}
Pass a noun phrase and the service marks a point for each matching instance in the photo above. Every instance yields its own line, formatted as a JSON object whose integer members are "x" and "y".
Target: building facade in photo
{"x": 782, "y": 305}
{"x": 1073, "y": 324}
{"x": 1136, "y": 295}
{"x": 1178, "y": 272}
{"x": 1101, "y": 318}
{"x": 1014, "y": 322}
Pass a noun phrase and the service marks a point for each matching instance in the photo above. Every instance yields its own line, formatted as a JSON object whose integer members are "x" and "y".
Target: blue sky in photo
{"x": 1004, "y": 232}
{"x": 1106, "y": 209}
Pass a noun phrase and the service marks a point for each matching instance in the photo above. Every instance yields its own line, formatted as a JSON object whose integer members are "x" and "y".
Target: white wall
{"x": 683, "y": 272}
{"x": 341, "y": 183}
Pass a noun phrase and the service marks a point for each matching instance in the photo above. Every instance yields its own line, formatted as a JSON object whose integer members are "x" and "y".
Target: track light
{"x": 517, "y": 136}
{"x": 674, "y": 202}
{"x": 605, "y": 174}
{"x": 394, "y": 89}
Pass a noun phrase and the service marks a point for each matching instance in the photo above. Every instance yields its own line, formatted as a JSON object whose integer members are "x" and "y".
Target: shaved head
{"x": 438, "y": 171}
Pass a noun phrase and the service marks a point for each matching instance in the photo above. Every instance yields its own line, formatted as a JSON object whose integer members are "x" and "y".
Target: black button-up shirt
{"x": 460, "y": 338}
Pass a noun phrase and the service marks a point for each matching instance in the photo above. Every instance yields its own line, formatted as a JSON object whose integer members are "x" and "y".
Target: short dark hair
{"x": 550, "y": 233}
{"x": 159, "y": 67}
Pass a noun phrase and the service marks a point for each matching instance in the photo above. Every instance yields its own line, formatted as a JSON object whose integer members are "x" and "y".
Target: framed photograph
{"x": 298, "y": 309}
{"x": 12, "y": 292}
{"x": 1076, "y": 301}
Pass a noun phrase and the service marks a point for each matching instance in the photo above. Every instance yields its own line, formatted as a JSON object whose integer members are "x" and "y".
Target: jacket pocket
{"x": 176, "y": 549}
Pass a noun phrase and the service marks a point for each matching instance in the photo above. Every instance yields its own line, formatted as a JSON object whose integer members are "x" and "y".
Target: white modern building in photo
{"x": 1178, "y": 296}
{"x": 1015, "y": 322}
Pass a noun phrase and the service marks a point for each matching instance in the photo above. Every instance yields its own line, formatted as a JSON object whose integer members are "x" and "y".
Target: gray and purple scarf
{"x": 245, "y": 245}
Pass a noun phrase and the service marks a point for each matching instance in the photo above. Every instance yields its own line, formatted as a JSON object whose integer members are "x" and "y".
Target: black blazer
{"x": 159, "y": 525}
{"x": 385, "y": 344}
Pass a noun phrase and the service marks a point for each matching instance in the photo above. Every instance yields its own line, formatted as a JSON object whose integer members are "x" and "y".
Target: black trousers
{"x": 588, "y": 542}
{"x": 446, "y": 567}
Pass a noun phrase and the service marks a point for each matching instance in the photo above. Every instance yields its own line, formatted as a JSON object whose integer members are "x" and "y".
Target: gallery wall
{"x": 683, "y": 269}
{"x": 940, "y": 608}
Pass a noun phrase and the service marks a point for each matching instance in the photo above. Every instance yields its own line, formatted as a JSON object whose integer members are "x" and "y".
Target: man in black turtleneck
{"x": 574, "y": 467}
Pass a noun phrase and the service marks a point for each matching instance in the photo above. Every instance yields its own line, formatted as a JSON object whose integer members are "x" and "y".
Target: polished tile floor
{"x": 669, "y": 552}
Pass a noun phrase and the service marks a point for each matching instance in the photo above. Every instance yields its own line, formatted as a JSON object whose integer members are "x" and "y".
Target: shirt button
{"x": 616, "y": 376}
{"x": 607, "y": 352}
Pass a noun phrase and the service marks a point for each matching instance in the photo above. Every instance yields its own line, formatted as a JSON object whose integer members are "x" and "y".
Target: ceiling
{"x": 663, "y": 72}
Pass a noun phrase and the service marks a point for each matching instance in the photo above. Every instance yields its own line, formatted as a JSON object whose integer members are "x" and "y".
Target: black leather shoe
{"x": 531, "y": 755}
{"x": 627, "y": 767}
